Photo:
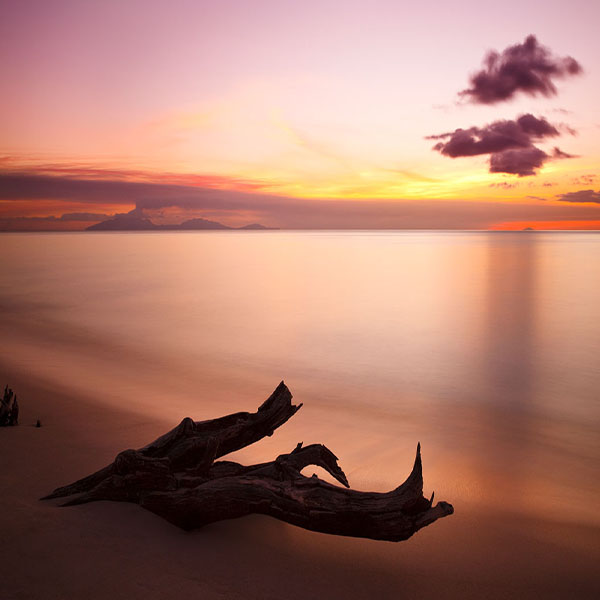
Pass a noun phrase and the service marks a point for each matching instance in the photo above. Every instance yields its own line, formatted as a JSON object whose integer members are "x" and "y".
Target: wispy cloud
{"x": 586, "y": 179}
{"x": 507, "y": 185}
{"x": 311, "y": 144}
{"x": 412, "y": 175}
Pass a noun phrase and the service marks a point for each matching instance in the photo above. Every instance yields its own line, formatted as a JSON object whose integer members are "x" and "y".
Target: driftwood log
{"x": 178, "y": 477}
{"x": 9, "y": 408}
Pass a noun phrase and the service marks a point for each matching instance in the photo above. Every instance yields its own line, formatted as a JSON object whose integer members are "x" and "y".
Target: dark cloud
{"x": 28, "y": 186}
{"x": 65, "y": 222}
{"x": 73, "y": 217}
{"x": 587, "y": 196}
{"x": 528, "y": 67}
{"x": 510, "y": 144}
{"x": 519, "y": 161}
{"x": 495, "y": 137}
{"x": 536, "y": 128}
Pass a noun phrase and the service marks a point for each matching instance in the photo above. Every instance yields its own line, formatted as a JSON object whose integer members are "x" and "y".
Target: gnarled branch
{"x": 176, "y": 477}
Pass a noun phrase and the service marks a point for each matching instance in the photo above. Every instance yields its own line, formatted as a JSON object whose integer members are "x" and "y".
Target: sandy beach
{"x": 116, "y": 550}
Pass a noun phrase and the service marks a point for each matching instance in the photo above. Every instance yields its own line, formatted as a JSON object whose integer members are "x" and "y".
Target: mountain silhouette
{"x": 131, "y": 221}
{"x": 136, "y": 221}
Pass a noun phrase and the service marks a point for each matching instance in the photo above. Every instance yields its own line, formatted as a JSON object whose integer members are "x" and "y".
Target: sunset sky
{"x": 314, "y": 114}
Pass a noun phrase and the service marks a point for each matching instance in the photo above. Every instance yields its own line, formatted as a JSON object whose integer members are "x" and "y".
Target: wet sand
{"x": 115, "y": 550}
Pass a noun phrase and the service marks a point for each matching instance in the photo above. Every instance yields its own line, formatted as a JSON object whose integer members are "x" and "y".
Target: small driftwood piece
{"x": 9, "y": 408}
{"x": 178, "y": 477}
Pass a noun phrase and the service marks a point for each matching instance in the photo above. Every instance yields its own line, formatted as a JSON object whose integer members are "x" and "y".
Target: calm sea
{"x": 485, "y": 347}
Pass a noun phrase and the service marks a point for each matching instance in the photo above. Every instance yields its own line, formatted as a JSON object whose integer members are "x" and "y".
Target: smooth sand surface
{"x": 116, "y": 550}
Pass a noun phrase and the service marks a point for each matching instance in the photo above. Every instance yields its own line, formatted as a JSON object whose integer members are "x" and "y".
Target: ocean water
{"x": 485, "y": 347}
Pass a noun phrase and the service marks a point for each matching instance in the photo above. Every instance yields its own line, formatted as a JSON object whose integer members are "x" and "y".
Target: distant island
{"x": 136, "y": 221}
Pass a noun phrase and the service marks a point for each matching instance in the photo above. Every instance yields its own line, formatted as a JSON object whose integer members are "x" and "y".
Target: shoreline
{"x": 51, "y": 552}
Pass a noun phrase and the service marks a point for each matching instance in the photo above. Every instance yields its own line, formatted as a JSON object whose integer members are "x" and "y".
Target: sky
{"x": 378, "y": 114}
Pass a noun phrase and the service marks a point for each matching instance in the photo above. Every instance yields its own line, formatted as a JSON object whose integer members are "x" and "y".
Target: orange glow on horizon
{"x": 591, "y": 225}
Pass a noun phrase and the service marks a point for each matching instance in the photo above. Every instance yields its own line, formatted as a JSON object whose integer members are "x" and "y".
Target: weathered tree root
{"x": 176, "y": 477}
